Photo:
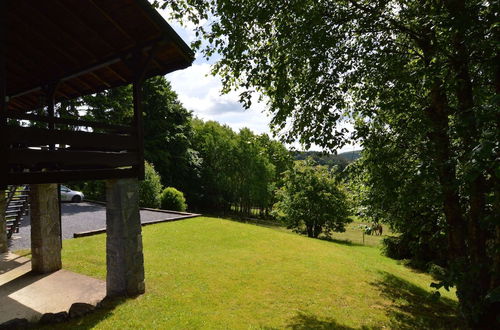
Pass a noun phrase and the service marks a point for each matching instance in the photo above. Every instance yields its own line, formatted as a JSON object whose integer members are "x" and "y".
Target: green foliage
{"x": 240, "y": 169}
{"x": 151, "y": 188}
{"x": 93, "y": 190}
{"x": 396, "y": 247}
{"x": 167, "y": 135}
{"x": 324, "y": 159}
{"x": 311, "y": 202}
{"x": 173, "y": 199}
{"x": 423, "y": 75}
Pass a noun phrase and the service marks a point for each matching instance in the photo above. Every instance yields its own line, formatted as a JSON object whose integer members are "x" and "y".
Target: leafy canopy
{"x": 310, "y": 200}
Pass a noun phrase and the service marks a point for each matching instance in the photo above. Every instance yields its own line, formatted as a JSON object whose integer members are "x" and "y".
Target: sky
{"x": 199, "y": 92}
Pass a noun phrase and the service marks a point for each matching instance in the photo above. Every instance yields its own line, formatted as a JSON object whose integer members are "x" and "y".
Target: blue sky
{"x": 199, "y": 91}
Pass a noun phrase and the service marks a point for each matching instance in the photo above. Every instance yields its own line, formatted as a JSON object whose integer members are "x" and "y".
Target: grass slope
{"x": 214, "y": 273}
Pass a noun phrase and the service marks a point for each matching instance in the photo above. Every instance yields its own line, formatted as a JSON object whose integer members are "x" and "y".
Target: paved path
{"x": 79, "y": 218}
{"x": 28, "y": 295}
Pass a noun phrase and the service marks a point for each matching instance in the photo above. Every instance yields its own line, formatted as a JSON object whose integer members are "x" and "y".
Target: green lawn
{"x": 214, "y": 273}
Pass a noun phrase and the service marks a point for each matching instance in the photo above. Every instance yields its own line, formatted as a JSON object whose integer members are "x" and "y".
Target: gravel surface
{"x": 77, "y": 218}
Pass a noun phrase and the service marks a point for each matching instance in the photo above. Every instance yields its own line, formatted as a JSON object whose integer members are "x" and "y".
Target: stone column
{"x": 45, "y": 228}
{"x": 3, "y": 228}
{"x": 124, "y": 258}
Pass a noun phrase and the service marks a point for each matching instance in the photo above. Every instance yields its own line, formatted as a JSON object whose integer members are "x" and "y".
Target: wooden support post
{"x": 50, "y": 93}
{"x": 140, "y": 63}
{"x": 3, "y": 225}
{"x": 3, "y": 123}
{"x": 3, "y": 96}
{"x": 138, "y": 108}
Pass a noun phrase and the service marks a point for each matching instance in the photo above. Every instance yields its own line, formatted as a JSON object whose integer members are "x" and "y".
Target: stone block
{"x": 45, "y": 228}
{"x": 15, "y": 324}
{"x": 80, "y": 309}
{"x": 50, "y": 318}
{"x": 3, "y": 229}
{"x": 124, "y": 258}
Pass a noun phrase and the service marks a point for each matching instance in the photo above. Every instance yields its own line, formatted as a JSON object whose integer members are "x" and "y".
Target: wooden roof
{"x": 84, "y": 45}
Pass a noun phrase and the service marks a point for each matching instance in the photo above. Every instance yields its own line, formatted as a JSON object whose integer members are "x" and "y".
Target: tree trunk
{"x": 438, "y": 116}
{"x": 480, "y": 263}
{"x": 310, "y": 232}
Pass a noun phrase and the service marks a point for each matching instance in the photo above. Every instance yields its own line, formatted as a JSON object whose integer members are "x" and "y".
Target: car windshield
{"x": 64, "y": 188}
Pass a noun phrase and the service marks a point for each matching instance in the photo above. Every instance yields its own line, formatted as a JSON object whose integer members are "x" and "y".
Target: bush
{"x": 150, "y": 189}
{"x": 93, "y": 190}
{"x": 173, "y": 199}
{"x": 396, "y": 248}
{"x": 437, "y": 272}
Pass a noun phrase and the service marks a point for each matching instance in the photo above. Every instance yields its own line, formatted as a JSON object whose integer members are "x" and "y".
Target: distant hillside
{"x": 321, "y": 158}
{"x": 351, "y": 155}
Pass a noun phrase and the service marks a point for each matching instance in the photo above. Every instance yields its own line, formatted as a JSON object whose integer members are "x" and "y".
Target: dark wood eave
{"x": 84, "y": 46}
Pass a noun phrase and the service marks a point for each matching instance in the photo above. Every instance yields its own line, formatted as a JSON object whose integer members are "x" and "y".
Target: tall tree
{"x": 215, "y": 144}
{"x": 167, "y": 127}
{"x": 430, "y": 66}
{"x": 311, "y": 201}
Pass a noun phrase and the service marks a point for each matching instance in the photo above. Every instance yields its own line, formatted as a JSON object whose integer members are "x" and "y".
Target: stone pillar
{"x": 45, "y": 228}
{"x": 124, "y": 258}
{"x": 3, "y": 229}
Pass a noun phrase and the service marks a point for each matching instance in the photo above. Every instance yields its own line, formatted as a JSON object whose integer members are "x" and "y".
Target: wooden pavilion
{"x": 64, "y": 49}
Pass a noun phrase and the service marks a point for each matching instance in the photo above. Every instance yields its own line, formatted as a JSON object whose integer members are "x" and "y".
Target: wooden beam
{"x": 51, "y": 159}
{"x": 3, "y": 95}
{"x": 47, "y": 21}
{"x": 65, "y": 176}
{"x": 75, "y": 17}
{"x": 71, "y": 122}
{"x": 95, "y": 66}
{"x": 50, "y": 93}
{"x": 139, "y": 66}
{"x": 113, "y": 21}
{"x": 77, "y": 140}
{"x": 109, "y": 68}
{"x": 33, "y": 30}
{"x": 138, "y": 108}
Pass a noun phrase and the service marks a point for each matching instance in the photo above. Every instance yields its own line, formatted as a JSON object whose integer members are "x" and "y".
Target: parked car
{"x": 68, "y": 195}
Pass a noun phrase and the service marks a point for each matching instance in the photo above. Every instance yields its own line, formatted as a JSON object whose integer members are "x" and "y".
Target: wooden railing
{"x": 59, "y": 152}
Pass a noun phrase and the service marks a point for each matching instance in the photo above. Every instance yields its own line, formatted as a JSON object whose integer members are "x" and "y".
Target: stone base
{"x": 45, "y": 228}
{"x": 124, "y": 258}
{"x": 3, "y": 229}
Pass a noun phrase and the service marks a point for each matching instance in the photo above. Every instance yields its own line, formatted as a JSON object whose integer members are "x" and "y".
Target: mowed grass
{"x": 220, "y": 274}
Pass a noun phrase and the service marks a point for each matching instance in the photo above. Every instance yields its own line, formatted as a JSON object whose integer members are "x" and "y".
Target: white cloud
{"x": 199, "y": 91}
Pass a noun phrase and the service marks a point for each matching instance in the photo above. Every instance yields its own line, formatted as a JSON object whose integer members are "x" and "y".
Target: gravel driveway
{"x": 79, "y": 218}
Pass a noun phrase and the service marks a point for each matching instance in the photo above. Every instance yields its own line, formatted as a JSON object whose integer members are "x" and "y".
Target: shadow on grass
{"x": 92, "y": 320}
{"x": 252, "y": 221}
{"x": 340, "y": 241}
{"x": 303, "y": 321}
{"x": 415, "y": 308}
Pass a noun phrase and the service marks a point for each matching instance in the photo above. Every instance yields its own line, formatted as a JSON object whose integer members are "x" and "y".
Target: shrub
{"x": 173, "y": 199}
{"x": 396, "y": 247}
{"x": 437, "y": 272}
{"x": 93, "y": 190}
{"x": 150, "y": 189}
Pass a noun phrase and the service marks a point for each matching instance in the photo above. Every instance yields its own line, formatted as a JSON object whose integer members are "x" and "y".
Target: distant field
{"x": 220, "y": 274}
